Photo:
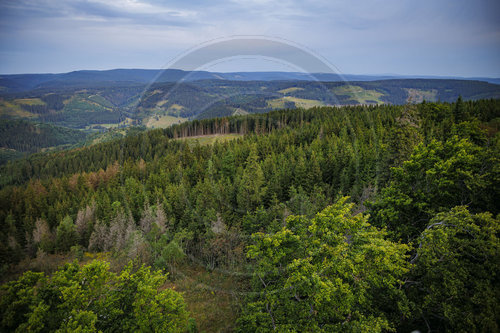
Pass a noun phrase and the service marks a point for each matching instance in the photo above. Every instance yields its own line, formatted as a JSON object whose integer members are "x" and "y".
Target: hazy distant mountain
{"x": 123, "y": 77}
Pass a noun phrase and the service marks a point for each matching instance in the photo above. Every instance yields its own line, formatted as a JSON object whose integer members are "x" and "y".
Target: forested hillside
{"x": 121, "y": 77}
{"x": 162, "y": 104}
{"x": 21, "y": 137}
{"x": 362, "y": 218}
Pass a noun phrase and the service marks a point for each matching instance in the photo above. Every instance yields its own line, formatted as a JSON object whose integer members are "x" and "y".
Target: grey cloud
{"x": 430, "y": 37}
{"x": 54, "y": 9}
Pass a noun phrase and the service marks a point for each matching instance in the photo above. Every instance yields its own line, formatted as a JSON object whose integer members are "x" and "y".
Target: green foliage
{"x": 457, "y": 263}
{"x": 163, "y": 201}
{"x": 167, "y": 253}
{"x": 9, "y": 155}
{"x": 251, "y": 184}
{"x": 92, "y": 298}
{"x": 331, "y": 273}
{"x": 77, "y": 252}
{"x": 173, "y": 252}
{"x": 66, "y": 235}
{"x": 17, "y": 299}
{"x": 405, "y": 135}
{"x": 24, "y": 136}
{"x": 459, "y": 111}
{"x": 135, "y": 196}
{"x": 437, "y": 176}
{"x": 258, "y": 221}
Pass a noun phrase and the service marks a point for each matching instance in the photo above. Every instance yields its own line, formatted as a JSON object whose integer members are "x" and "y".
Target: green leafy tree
{"x": 437, "y": 176}
{"x": 17, "y": 299}
{"x": 331, "y": 273}
{"x": 455, "y": 284}
{"x": 92, "y": 298}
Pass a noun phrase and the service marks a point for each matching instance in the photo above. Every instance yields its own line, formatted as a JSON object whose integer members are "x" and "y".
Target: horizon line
{"x": 259, "y": 71}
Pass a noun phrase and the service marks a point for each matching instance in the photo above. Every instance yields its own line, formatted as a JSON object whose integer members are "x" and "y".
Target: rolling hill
{"x": 20, "y": 137}
{"x": 98, "y": 101}
{"x": 165, "y": 103}
{"x": 125, "y": 77}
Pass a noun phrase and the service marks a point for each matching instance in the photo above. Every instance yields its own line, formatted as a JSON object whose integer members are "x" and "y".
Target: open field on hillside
{"x": 210, "y": 139}
{"x": 279, "y": 103}
{"x": 163, "y": 121}
{"x": 30, "y": 101}
{"x": 289, "y": 90}
{"x": 359, "y": 94}
{"x": 8, "y": 108}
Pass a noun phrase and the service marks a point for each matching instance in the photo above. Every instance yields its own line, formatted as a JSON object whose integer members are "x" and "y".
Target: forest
{"x": 23, "y": 136}
{"x": 359, "y": 218}
{"x": 113, "y": 103}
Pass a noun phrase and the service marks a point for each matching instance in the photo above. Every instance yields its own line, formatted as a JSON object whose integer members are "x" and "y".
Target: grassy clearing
{"x": 156, "y": 91}
{"x": 212, "y": 297}
{"x": 289, "y": 90}
{"x": 82, "y": 104}
{"x": 107, "y": 136}
{"x": 304, "y": 103}
{"x": 161, "y": 103}
{"x": 175, "y": 109}
{"x": 163, "y": 121}
{"x": 357, "y": 93}
{"x": 279, "y": 103}
{"x": 11, "y": 109}
{"x": 30, "y": 101}
{"x": 210, "y": 139}
{"x": 126, "y": 122}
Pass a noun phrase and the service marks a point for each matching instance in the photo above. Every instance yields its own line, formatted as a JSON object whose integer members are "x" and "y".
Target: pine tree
{"x": 66, "y": 235}
{"x": 251, "y": 185}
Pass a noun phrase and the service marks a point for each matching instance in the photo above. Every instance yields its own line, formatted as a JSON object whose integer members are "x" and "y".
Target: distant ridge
{"x": 24, "y": 82}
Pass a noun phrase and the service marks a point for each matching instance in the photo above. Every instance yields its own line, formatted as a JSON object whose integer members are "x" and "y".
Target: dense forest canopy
{"x": 22, "y": 136}
{"x": 354, "y": 218}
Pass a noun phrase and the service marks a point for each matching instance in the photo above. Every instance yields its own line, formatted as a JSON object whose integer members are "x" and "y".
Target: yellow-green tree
{"x": 331, "y": 273}
{"x": 455, "y": 285}
{"x": 90, "y": 299}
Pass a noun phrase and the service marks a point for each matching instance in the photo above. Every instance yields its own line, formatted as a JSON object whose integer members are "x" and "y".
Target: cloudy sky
{"x": 426, "y": 37}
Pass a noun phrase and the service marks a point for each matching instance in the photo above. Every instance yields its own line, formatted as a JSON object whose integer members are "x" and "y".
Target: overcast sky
{"x": 424, "y": 37}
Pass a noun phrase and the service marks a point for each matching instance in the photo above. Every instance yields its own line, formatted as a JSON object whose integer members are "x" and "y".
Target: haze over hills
{"x": 25, "y": 82}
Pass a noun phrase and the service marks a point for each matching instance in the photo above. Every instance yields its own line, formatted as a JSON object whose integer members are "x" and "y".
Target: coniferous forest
{"x": 331, "y": 219}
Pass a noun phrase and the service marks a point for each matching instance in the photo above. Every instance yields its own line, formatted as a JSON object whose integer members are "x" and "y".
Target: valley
{"x": 94, "y": 106}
